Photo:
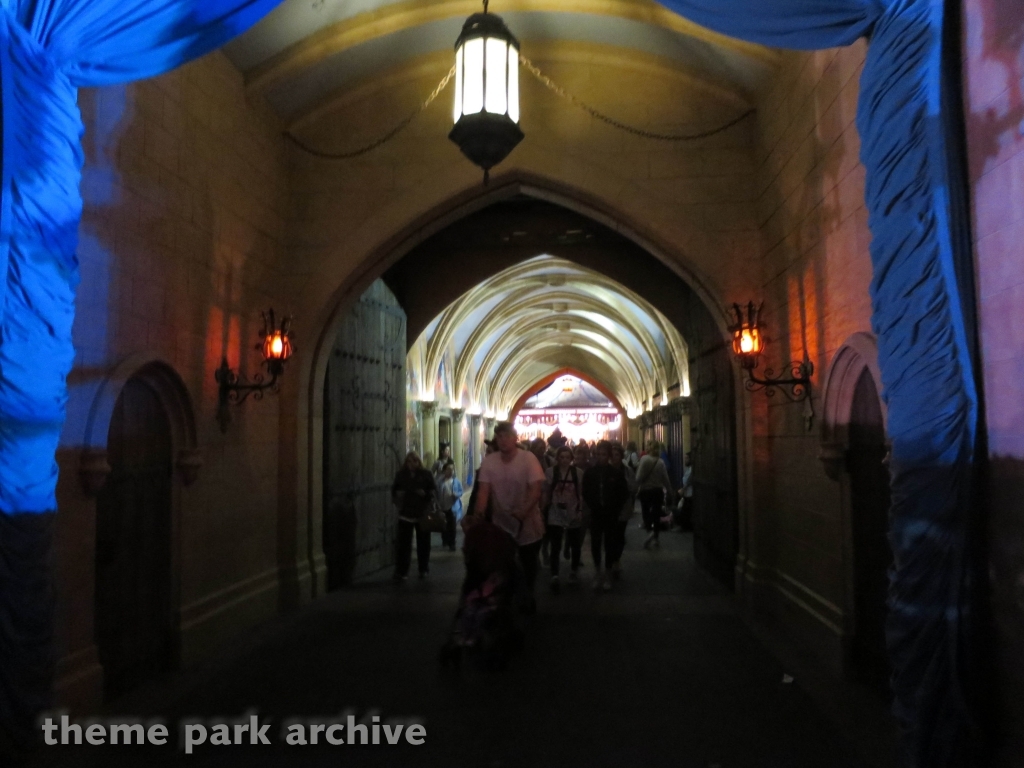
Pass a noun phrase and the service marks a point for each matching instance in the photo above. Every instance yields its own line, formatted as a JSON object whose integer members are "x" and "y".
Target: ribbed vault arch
{"x": 527, "y": 320}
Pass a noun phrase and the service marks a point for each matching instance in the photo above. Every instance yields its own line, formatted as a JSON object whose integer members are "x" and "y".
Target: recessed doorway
{"x": 133, "y": 543}
{"x": 872, "y": 554}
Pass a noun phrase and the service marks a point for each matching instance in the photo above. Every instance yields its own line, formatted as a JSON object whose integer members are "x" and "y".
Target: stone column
{"x": 489, "y": 422}
{"x": 428, "y": 415}
{"x": 474, "y": 438}
{"x": 457, "y": 447}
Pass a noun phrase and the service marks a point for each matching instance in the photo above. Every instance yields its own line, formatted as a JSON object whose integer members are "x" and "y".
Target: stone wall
{"x": 181, "y": 239}
{"x": 814, "y": 276}
{"x": 994, "y": 106}
{"x": 694, "y": 197}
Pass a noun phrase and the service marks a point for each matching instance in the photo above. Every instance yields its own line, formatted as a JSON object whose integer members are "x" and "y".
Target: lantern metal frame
{"x": 235, "y": 389}
{"x": 486, "y": 138}
{"x": 796, "y": 386}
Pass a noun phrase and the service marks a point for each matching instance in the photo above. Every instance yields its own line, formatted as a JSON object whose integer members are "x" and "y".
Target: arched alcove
{"x": 141, "y": 450}
{"x": 161, "y": 377}
{"x": 854, "y": 451}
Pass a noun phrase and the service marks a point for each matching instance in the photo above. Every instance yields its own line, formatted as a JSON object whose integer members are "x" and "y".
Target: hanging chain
{"x": 386, "y": 137}
{"x": 559, "y": 91}
{"x": 550, "y": 85}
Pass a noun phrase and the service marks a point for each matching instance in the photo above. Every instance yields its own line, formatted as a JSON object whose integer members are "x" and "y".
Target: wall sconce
{"x": 276, "y": 347}
{"x": 748, "y": 343}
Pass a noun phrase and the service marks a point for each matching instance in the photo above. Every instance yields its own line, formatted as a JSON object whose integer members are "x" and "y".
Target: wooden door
{"x": 133, "y": 543}
{"x": 715, "y": 506}
{"x": 364, "y": 436}
{"x": 872, "y": 555}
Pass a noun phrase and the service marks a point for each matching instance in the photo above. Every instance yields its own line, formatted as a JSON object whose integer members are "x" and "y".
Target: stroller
{"x": 486, "y": 625}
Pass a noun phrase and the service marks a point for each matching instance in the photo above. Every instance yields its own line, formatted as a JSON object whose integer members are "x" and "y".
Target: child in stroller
{"x": 486, "y": 622}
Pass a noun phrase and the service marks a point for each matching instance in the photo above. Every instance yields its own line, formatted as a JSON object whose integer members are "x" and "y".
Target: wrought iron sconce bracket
{"x": 276, "y": 348}
{"x": 748, "y": 344}
{"x": 235, "y": 389}
{"x": 796, "y": 386}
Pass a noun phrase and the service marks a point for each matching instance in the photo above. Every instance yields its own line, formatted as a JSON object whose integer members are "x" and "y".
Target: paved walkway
{"x": 660, "y": 672}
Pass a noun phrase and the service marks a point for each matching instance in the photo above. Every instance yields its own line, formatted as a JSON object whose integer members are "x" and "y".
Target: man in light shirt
{"x": 511, "y": 481}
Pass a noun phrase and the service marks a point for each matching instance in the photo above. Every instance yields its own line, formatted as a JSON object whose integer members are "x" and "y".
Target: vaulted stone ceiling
{"x": 308, "y": 52}
{"x": 535, "y": 318}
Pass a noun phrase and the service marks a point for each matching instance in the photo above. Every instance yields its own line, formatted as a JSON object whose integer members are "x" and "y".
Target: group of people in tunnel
{"x": 545, "y": 496}
{"x": 531, "y": 506}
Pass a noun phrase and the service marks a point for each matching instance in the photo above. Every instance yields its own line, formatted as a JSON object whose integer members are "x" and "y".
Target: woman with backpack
{"x": 563, "y": 500}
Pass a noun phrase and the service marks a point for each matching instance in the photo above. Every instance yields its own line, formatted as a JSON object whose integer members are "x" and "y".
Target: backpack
{"x": 575, "y": 480}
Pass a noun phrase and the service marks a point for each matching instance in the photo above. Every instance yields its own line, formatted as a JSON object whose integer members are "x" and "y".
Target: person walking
{"x": 581, "y": 459}
{"x": 684, "y": 516}
{"x": 604, "y": 492}
{"x": 539, "y": 448}
{"x": 511, "y": 482}
{"x": 631, "y": 458}
{"x": 412, "y": 493}
{"x": 443, "y": 458}
{"x": 449, "y": 496}
{"x": 617, "y": 462}
{"x": 652, "y": 482}
{"x": 563, "y": 500}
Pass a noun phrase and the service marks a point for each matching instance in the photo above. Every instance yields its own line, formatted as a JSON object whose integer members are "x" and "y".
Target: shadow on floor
{"x": 660, "y": 672}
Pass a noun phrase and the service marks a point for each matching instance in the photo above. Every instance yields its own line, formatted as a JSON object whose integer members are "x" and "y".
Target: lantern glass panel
{"x": 497, "y": 59}
{"x": 513, "y": 83}
{"x": 747, "y": 342}
{"x": 473, "y": 83}
{"x": 458, "y": 85}
{"x": 276, "y": 346}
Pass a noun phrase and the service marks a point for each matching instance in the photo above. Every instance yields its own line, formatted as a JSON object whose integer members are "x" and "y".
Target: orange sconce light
{"x": 276, "y": 347}
{"x": 748, "y": 344}
{"x": 277, "y": 342}
{"x": 747, "y": 341}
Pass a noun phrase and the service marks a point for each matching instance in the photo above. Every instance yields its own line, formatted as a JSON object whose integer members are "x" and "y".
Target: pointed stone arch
{"x": 164, "y": 380}
{"x": 859, "y": 353}
{"x": 301, "y": 577}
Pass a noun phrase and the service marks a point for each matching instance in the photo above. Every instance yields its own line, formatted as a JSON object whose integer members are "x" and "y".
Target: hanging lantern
{"x": 486, "y": 112}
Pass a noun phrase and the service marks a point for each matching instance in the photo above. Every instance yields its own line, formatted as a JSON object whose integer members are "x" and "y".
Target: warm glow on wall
{"x": 748, "y": 344}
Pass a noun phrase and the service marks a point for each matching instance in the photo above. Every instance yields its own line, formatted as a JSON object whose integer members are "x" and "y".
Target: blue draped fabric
{"x": 924, "y": 350}
{"x": 48, "y": 49}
